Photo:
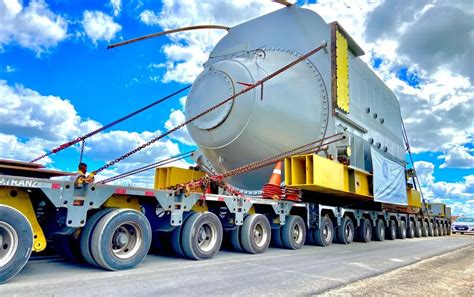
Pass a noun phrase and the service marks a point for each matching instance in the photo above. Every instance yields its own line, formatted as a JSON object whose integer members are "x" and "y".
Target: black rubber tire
{"x": 309, "y": 237}
{"x": 24, "y": 233}
{"x": 411, "y": 229}
{"x": 190, "y": 235}
{"x": 391, "y": 230}
{"x": 290, "y": 238}
{"x": 402, "y": 230}
{"x": 435, "y": 229}
{"x": 234, "y": 239}
{"x": 430, "y": 229}
{"x": 448, "y": 230}
{"x": 247, "y": 233}
{"x": 378, "y": 232}
{"x": 324, "y": 234}
{"x": 276, "y": 241}
{"x": 68, "y": 247}
{"x": 345, "y": 231}
{"x": 364, "y": 231}
{"x": 445, "y": 230}
{"x": 417, "y": 229}
{"x": 424, "y": 229}
{"x": 175, "y": 240}
{"x": 104, "y": 232}
{"x": 86, "y": 235}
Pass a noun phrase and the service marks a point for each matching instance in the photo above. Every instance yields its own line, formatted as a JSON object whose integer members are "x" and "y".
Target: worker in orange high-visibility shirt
{"x": 80, "y": 178}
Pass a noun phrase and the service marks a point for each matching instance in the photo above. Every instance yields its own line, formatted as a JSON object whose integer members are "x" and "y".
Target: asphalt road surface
{"x": 310, "y": 270}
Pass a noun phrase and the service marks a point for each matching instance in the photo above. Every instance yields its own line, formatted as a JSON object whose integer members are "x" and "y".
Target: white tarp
{"x": 389, "y": 180}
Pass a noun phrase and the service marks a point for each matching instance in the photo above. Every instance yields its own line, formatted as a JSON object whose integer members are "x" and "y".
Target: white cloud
{"x": 12, "y": 147}
{"x": 455, "y": 194}
{"x": 177, "y": 117}
{"x": 116, "y": 6}
{"x": 99, "y": 26}
{"x": 148, "y": 17}
{"x": 9, "y": 69}
{"x": 431, "y": 39}
{"x": 458, "y": 157}
{"x": 34, "y": 27}
{"x": 31, "y": 124}
{"x": 26, "y": 113}
{"x": 188, "y": 51}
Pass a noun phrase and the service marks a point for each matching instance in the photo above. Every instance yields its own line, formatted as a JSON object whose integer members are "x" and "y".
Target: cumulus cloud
{"x": 458, "y": 157}
{"x": 26, "y": 113}
{"x": 99, "y": 26}
{"x": 455, "y": 194}
{"x": 116, "y": 6}
{"x": 177, "y": 117}
{"x": 148, "y": 17}
{"x": 32, "y": 123}
{"x": 33, "y": 26}
{"x": 188, "y": 51}
{"x": 427, "y": 39}
{"x": 430, "y": 34}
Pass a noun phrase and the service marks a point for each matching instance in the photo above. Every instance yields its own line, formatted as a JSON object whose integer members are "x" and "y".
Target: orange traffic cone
{"x": 272, "y": 189}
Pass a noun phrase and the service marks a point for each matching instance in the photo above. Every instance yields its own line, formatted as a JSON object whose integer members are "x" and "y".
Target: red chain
{"x": 251, "y": 87}
{"x": 84, "y": 137}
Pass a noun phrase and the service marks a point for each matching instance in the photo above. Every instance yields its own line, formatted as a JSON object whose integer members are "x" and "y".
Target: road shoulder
{"x": 448, "y": 274}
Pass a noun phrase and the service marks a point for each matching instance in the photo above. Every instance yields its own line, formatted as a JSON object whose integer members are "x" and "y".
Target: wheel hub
{"x": 121, "y": 239}
{"x": 126, "y": 240}
{"x": 207, "y": 237}
{"x": 297, "y": 234}
{"x": 259, "y": 235}
{"x": 326, "y": 232}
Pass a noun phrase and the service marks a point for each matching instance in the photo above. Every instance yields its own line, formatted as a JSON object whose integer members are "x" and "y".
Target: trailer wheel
{"x": 379, "y": 230}
{"x": 435, "y": 229}
{"x": 402, "y": 230}
{"x": 175, "y": 238}
{"x": 445, "y": 231}
{"x": 392, "y": 230}
{"x": 86, "y": 235}
{"x": 345, "y": 231}
{"x": 430, "y": 229}
{"x": 310, "y": 237}
{"x": 324, "y": 234}
{"x": 424, "y": 228}
{"x": 417, "y": 229}
{"x": 68, "y": 247}
{"x": 411, "y": 229}
{"x": 16, "y": 241}
{"x": 276, "y": 240}
{"x": 448, "y": 229}
{"x": 255, "y": 234}
{"x": 293, "y": 233}
{"x": 234, "y": 236}
{"x": 201, "y": 237}
{"x": 364, "y": 231}
{"x": 121, "y": 239}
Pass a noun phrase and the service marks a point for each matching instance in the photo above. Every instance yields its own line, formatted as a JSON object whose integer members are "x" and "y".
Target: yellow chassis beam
{"x": 20, "y": 200}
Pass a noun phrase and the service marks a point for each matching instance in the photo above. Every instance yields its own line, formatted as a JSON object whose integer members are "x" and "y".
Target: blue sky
{"x": 45, "y": 64}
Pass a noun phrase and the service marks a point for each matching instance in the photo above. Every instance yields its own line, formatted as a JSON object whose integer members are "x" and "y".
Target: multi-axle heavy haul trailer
{"x": 114, "y": 227}
{"x": 300, "y": 104}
